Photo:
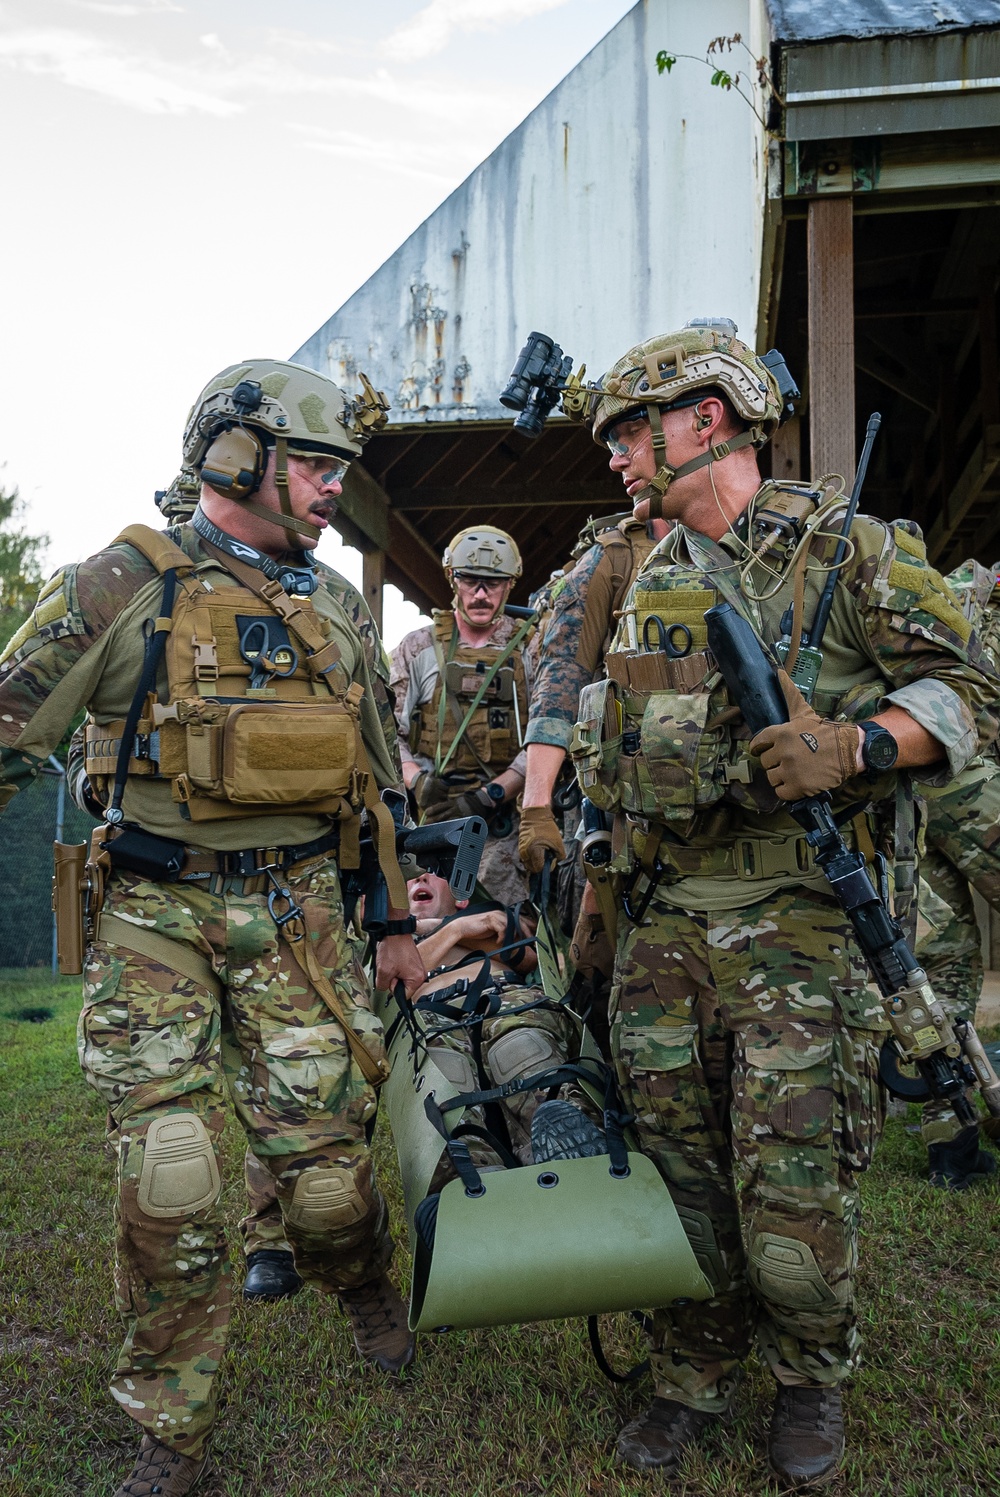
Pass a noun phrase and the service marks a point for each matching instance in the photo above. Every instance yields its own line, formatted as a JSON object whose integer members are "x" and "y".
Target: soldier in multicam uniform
{"x": 962, "y": 846}
{"x": 462, "y": 688}
{"x": 746, "y": 1037}
{"x": 219, "y": 960}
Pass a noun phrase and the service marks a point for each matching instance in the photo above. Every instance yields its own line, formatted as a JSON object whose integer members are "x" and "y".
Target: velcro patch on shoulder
{"x": 912, "y": 544}
{"x": 907, "y": 577}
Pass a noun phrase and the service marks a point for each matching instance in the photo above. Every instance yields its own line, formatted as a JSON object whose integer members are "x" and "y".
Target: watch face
{"x": 495, "y": 792}
{"x": 880, "y": 749}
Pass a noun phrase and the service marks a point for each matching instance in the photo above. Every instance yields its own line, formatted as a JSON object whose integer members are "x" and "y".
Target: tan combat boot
{"x": 161, "y": 1472}
{"x": 660, "y": 1436}
{"x": 806, "y": 1441}
{"x": 378, "y": 1320}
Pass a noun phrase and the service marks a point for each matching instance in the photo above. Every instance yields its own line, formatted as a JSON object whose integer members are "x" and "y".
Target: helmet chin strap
{"x": 292, "y": 527}
{"x": 665, "y": 475}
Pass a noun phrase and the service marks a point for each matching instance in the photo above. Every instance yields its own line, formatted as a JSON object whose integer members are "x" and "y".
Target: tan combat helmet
{"x": 677, "y": 369}
{"x": 482, "y": 551}
{"x": 263, "y": 403}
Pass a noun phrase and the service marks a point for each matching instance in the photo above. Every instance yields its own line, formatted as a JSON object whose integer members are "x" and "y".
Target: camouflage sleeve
{"x": 563, "y": 668}
{"x": 51, "y": 666}
{"x": 376, "y": 682}
{"x": 921, "y": 641}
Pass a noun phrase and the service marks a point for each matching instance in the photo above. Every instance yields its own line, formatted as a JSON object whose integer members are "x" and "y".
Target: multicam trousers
{"x": 963, "y": 847}
{"x": 166, "y": 1054}
{"x": 747, "y": 1047}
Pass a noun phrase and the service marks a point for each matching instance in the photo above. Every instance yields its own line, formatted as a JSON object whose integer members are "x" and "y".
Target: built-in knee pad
{"x": 785, "y": 1272}
{"x": 324, "y": 1199}
{"x": 456, "y": 1066}
{"x": 520, "y": 1052}
{"x": 701, "y": 1235}
{"x": 180, "y": 1173}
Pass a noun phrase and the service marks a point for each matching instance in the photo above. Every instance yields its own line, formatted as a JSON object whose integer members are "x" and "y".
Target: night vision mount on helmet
{"x": 669, "y": 371}
{"x": 264, "y": 404}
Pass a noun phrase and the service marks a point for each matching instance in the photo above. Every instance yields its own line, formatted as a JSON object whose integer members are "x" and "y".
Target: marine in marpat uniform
{"x": 239, "y": 724}
{"x": 745, "y": 1034}
{"x": 462, "y": 687}
{"x": 962, "y": 847}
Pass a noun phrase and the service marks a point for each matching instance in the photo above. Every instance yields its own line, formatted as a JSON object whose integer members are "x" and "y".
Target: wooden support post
{"x": 831, "y": 337}
{"x": 786, "y": 450}
{"x": 373, "y": 581}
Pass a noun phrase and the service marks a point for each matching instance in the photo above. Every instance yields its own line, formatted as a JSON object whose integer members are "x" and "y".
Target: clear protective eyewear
{"x": 333, "y": 469}
{"x": 619, "y": 445}
{"x": 475, "y": 582}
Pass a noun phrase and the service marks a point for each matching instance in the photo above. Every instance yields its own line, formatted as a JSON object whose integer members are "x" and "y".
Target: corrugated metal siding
{"x": 895, "y": 86}
{"x": 623, "y": 205}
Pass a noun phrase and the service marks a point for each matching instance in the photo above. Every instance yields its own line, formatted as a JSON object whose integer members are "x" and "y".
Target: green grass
{"x": 516, "y": 1412}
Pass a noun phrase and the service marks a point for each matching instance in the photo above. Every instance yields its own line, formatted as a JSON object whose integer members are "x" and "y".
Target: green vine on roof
{"x": 730, "y": 81}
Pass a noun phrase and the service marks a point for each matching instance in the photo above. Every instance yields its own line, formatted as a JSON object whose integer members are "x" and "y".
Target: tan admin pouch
{"x": 677, "y": 769}
{"x": 596, "y": 744}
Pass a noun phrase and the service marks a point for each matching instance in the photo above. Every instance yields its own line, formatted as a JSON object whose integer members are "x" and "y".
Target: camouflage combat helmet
{"x": 677, "y": 369}
{"x": 482, "y": 551}
{"x": 263, "y": 403}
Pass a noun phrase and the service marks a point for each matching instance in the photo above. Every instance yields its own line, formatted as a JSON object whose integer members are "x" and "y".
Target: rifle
{"x": 451, "y": 849}
{"x": 809, "y": 661}
{"x": 948, "y": 1057}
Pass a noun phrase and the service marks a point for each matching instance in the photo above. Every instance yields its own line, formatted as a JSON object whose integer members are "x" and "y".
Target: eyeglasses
{"x": 321, "y": 466}
{"x": 481, "y": 584}
{"x": 626, "y": 434}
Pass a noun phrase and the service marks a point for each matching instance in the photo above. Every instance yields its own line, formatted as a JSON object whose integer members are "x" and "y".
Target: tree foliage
{"x": 20, "y": 565}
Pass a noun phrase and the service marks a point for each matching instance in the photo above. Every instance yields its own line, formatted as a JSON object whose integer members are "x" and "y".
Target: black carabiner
{"x": 665, "y": 637}
{"x": 294, "y": 911}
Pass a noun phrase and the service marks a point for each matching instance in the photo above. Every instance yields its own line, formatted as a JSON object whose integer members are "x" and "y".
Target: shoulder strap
{"x": 157, "y": 548}
{"x": 322, "y": 653}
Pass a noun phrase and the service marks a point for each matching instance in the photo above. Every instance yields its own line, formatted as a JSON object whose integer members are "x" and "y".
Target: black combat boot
{"x": 660, "y": 1436}
{"x": 378, "y": 1320}
{"x": 561, "y": 1131}
{"x": 957, "y": 1164}
{"x": 270, "y": 1275}
{"x": 806, "y": 1441}
{"x": 161, "y": 1472}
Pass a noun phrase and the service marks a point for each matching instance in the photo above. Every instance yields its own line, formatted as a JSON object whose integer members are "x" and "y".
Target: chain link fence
{"x": 41, "y": 814}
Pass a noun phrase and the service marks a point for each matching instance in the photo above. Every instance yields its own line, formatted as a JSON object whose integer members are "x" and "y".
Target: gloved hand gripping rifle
{"x": 451, "y": 849}
{"x": 949, "y": 1057}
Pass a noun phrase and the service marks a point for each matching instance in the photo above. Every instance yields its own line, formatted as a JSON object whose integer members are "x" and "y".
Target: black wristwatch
{"x": 879, "y": 750}
{"x": 405, "y": 927}
{"x": 496, "y": 792}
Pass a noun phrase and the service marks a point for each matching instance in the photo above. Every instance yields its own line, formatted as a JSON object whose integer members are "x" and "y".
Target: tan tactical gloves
{"x": 807, "y": 754}
{"x": 539, "y": 834}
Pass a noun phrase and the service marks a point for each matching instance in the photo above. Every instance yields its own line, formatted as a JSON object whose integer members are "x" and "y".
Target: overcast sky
{"x": 191, "y": 184}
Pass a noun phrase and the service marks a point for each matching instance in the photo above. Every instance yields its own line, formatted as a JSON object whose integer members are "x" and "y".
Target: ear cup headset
{"x": 236, "y": 462}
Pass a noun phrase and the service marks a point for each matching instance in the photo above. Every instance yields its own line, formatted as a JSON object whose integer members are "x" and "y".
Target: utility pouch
{"x": 463, "y": 679}
{"x": 290, "y": 756}
{"x": 596, "y": 744}
{"x": 156, "y": 858}
{"x": 69, "y": 888}
{"x": 675, "y": 765}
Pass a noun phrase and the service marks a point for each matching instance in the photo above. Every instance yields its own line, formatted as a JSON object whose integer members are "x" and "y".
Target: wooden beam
{"x": 830, "y": 260}
{"x": 786, "y": 450}
{"x": 373, "y": 575}
{"x": 418, "y": 560}
{"x": 603, "y": 493}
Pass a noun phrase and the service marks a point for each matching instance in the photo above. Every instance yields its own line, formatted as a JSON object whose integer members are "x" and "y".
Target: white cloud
{"x": 84, "y": 62}
{"x": 121, "y": 8}
{"x": 431, "y": 29}
{"x": 406, "y": 158}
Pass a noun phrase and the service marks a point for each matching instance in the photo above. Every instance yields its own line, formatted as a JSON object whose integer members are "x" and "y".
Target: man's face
{"x": 430, "y": 897}
{"x": 630, "y": 442}
{"x": 314, "y": 485}
{"x": 482, "y": 598}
